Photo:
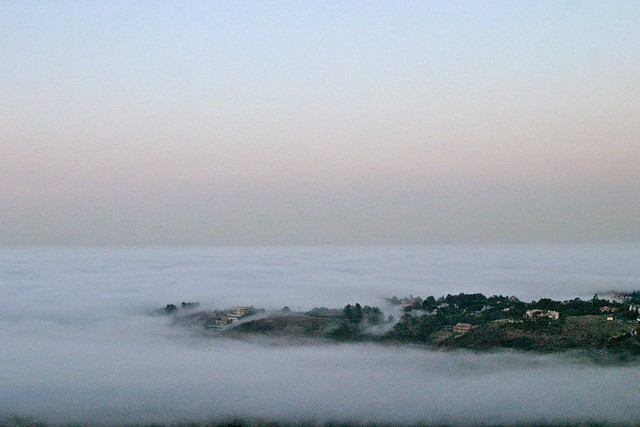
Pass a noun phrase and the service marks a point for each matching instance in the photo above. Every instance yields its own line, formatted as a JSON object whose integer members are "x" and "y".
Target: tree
{"x": 345, "y": 331}
{"x": 394, "y": 300}
{"x": 348, "y": 312}
{"x": 429, "y": 303}
{"x": 373, "y": 315}
{"x": 357, "y": 313}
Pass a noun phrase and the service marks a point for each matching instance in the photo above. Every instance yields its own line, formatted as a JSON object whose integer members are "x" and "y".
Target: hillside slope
{"x": 574, "y": 332}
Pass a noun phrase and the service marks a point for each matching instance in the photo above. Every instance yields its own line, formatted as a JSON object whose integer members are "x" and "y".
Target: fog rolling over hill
{"x": 80, "y": 342}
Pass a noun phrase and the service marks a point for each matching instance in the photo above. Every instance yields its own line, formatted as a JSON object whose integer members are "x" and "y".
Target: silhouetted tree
{"x": 348, "y": 312}
{"x": 357, "y": 313}
{"x": 429, "y": 303}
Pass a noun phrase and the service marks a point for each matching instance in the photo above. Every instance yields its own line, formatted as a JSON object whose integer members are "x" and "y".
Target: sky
{"x": 279, "y": 123}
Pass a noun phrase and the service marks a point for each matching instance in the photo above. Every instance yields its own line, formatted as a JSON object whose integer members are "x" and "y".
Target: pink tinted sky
{"x": 332, "y": 123}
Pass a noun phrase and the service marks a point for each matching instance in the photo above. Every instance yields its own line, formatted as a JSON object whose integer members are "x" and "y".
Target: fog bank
{"x": 80, "y": 343}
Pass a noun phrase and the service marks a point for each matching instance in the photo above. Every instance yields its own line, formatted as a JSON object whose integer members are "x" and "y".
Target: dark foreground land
{"x": 23, "y": 422}
{"x": 463, "y": 321}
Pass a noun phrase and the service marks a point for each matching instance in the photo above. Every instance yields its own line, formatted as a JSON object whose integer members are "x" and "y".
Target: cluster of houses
{"x": 530, "y": 315}
{"x": 227, "y": 317}
{"x": 463, "y": 328}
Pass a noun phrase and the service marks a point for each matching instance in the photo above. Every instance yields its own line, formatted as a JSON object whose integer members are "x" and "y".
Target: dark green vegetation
{"x": 574, "y": 332}
{"x": 471, "y": 321}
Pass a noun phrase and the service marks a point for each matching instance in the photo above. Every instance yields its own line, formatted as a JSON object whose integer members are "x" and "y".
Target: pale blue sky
{"x": 319, "y": 122}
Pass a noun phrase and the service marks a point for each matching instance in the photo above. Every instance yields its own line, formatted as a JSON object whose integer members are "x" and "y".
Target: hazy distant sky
{"x": 319, "y": 122}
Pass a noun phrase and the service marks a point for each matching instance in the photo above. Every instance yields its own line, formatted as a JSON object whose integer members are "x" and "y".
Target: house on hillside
{"x": 217, "y": 321}
{"x": 238, "y": 311}
{"x": 462, "y": 328}
{"x": 221, "y": 321}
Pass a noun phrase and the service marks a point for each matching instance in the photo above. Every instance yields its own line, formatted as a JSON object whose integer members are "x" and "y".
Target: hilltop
{"x": 470, "y": 321}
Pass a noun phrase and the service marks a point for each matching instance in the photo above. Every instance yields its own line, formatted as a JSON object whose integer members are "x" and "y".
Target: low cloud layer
{"x": 80, "y": 342}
